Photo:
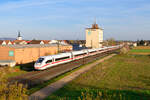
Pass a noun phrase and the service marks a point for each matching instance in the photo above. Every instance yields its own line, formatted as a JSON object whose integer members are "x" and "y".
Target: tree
{"x": 141, "y": 43}
{"x": 111, "y": 41}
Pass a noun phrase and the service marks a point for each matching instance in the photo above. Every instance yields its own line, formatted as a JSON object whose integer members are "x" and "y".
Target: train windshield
{"x": 40, "y": 60}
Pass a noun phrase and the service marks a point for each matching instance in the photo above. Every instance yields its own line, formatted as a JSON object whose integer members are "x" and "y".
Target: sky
{"x": 68, "y": 19}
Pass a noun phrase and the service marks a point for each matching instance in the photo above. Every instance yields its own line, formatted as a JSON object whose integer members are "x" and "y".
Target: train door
{"x": 53, "y": 60}
{"x": 72, "y": 56}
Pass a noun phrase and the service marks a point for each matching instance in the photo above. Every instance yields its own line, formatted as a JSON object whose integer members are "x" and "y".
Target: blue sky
{"x": 67, "y": 19}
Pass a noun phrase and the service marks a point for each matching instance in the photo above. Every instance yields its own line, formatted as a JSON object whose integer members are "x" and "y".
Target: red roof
{"x": 35, "y": 42}
{"x": 18, "y": 41}
{"x": 7, "y": 41}
{"x": 46, "y": 41}
{"x": 1, "y": 41}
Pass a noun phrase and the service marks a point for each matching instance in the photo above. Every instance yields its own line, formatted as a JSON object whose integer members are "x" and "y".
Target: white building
{"x": 94, "y": 36}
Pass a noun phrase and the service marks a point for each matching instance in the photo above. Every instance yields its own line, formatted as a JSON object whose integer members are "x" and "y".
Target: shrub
{"x": 99, "y": 95}
{"x": 11, "y": 91}
{"x": 124, "y": 50}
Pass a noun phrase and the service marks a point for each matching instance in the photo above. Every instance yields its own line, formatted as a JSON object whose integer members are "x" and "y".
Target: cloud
{"x": 27, "y": 3}
{"x": 119, "y": 18}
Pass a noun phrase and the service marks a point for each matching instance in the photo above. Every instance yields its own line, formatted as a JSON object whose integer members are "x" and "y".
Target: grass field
{"x": 15, "y": 71}
{"x": 124, "y": 77}
{"x": 140, "y": 50}
{"x": 38, "y": 87}
{"x": 142, "y": 47}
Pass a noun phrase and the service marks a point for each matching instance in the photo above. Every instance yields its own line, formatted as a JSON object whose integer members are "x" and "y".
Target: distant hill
{"x": 7, "y": 38}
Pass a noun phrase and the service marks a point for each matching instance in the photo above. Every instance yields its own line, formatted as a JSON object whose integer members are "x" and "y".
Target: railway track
{"x": 37, "y": 77}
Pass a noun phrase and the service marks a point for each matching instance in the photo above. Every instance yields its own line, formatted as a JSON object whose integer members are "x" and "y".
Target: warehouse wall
{"x": 26, "y": 55}
{"x": 4, "y": 53}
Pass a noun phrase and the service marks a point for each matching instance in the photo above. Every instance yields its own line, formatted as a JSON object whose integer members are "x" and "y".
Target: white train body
{"x": 53, "y": 60}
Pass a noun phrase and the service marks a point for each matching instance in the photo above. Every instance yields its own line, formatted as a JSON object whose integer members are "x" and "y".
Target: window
{"x": 49, "y": 61}
{"x": 92, "y": 51}
{"x": 40, "y": 60}
{"x": 80, "y": 54}
{"x": 11, "y": 53}
{"x": 57, "y": 59}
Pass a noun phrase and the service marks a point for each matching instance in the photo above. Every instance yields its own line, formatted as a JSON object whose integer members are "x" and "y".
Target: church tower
{"x": 94, "y": 36}
{"x": 19, "y": 36}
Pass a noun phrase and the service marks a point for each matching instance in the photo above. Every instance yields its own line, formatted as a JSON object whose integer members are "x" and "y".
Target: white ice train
{"x": 53, "y": 60}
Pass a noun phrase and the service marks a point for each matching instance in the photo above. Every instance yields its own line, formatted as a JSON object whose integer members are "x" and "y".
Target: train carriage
{"x": 79, "y": 54}
{"x": 53, "y": 60}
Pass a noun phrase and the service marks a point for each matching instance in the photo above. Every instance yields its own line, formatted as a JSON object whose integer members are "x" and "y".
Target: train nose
{"x": 37, "y": 65}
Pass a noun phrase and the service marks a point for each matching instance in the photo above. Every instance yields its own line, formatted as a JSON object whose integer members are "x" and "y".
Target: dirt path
{"x": 43, "y": 93}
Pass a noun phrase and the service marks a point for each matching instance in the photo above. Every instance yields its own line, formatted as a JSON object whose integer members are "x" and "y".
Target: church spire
{"x": 19, "y": 35}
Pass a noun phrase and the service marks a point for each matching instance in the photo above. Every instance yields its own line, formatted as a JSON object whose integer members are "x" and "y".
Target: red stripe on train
{"x": 59, "y": 61}
{"x": 71, "y": 59}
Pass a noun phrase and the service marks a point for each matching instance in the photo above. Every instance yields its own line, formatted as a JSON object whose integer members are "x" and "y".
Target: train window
{"x": 80, "y": 54}
{"x": 40, "y": 60}
{"x": 49, "y": 61}
{"x": 92, "y": 51}
{"x": 57, "y": 59}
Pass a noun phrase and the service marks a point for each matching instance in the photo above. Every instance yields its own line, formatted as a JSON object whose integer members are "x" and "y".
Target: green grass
{"x": 40, "y": 86}
{"x": 124, "y": 77}
{"x": 15, "y": 71}
{"x": 15, "y": 74}
{"x": 141, "y": 50}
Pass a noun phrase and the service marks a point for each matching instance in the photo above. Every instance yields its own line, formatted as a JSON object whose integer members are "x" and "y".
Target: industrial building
{"x": 28, "y": 53}
{"x": 94, "y": 36}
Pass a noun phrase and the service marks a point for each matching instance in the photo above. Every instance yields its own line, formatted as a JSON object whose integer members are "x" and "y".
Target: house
{"x": 2, "y": 42}
{"x": 53, "y": 42}
{"x": 36, "y": 42}
{"x": 5, "y": 42}
{"x": 64, "y": 42}
{"x": 46, "y": 41}
{"x": 146, "y": 43}
{"x": 135, "y": 44}
{"x": 8, "y": 42}
{"x": 19, "y": 42}
{"x": 28, "y": 42}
